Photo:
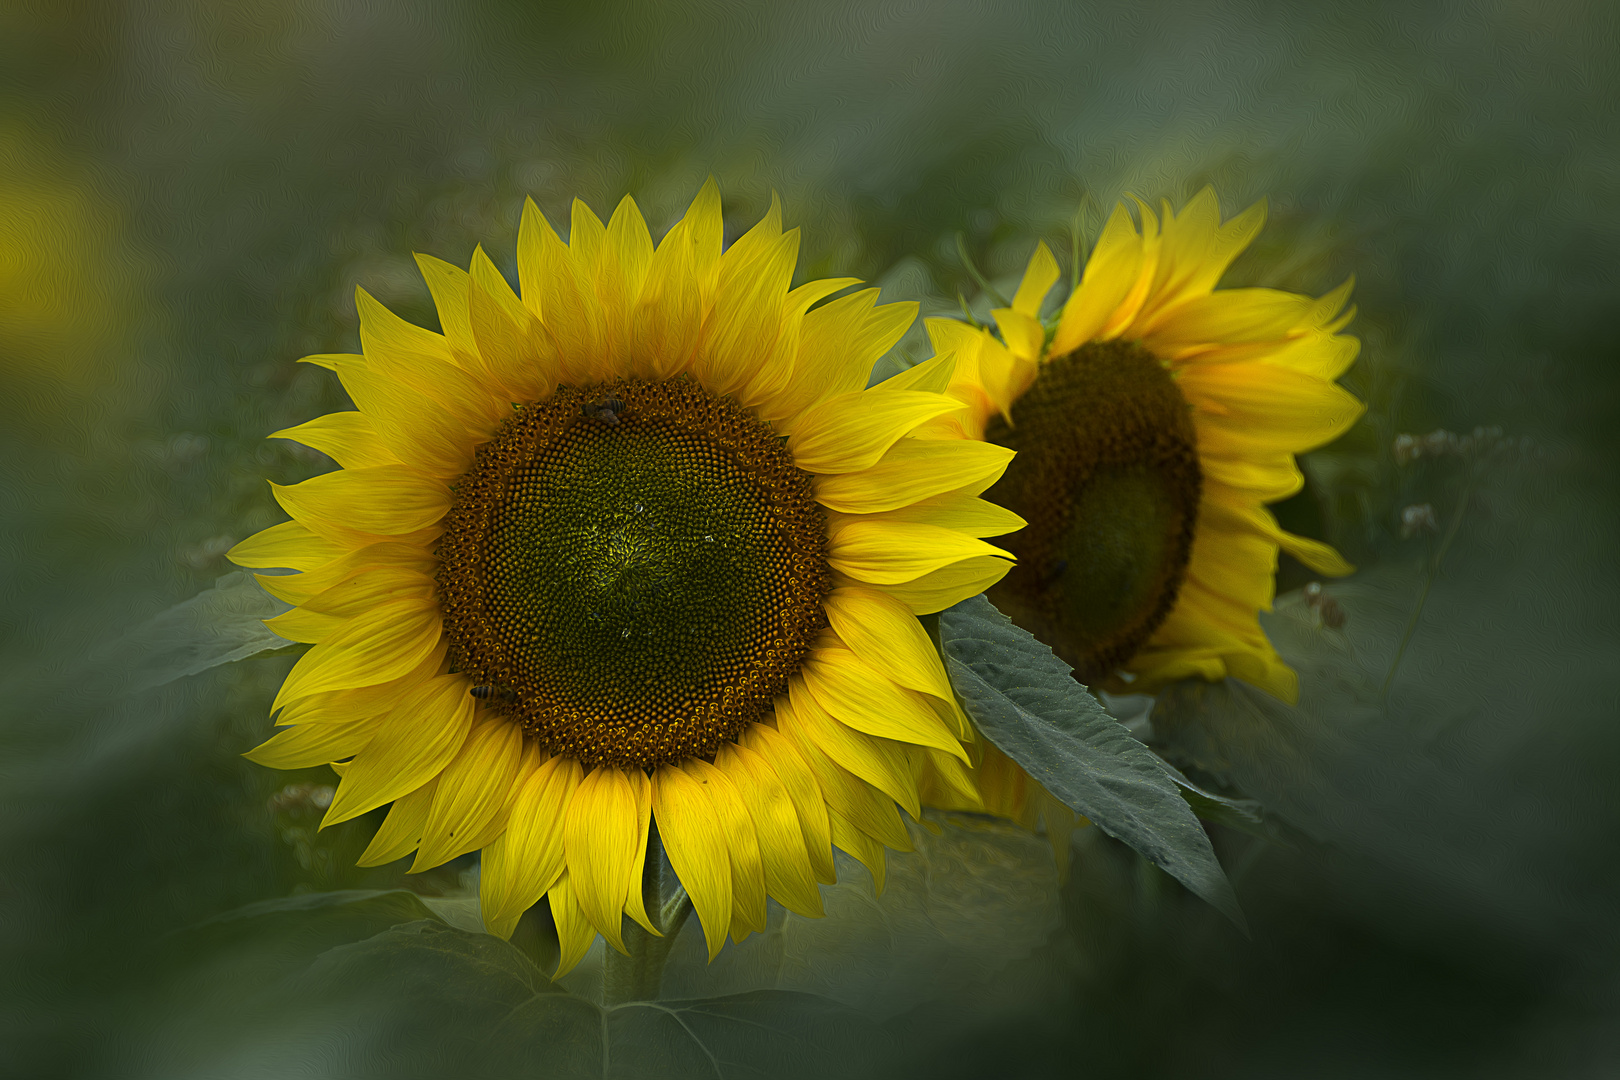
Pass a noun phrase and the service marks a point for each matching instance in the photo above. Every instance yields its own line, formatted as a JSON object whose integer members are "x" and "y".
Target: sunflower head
{"x": 1153, "y": 420}
{"x": 632, "y": 550}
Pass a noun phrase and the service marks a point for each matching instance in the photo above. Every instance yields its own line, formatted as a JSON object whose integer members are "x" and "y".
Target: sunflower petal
{"x": 777, "y": 751}
{"x": 861, "y": 696}
{"x": 1039, "y": 277}
{"x": 348, "y": 438}
{"x": 788, "y": 876}
{"x": 472, "y": 795}
{"x": 853, "y": 431}
{"x": 600, "y": 839}
{"x": 413, "y": 745}
{"x": 880, "y": 762}
{"x": 882, "y": 631}
{"x": 696, "y": 845}
{"x": 912, "y": 470}
{"x": 290, "y": 545}
{"x": 389, "y": 500}
{"x": 747, "y": 866}
{"x": 574, "y": 932}
{"x": 888, "y": 553}
{"x": 385, "y": 643}
{"x": 401, "y": 830}
{"x": 307, "y": 745}
{"x": 533, "y": 856}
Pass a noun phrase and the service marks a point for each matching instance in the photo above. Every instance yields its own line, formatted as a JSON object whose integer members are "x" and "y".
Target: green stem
{"x": 983, "y": 282}
{"x": 637, "y": 974}
{"x": 1430, "y": 573}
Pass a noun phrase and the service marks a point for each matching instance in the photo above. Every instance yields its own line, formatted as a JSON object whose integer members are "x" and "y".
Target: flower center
{"x": 1107, "y": 476}
{"x": 633, "y": 571}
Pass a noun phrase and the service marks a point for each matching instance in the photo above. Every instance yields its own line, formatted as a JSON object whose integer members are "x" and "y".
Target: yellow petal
{"x": 364, "y": 590}
{"x": 297, "y": 588}
{"x": 554, "y": 291}
{"x": 912, "y": 470}
{"x": 696, "y": 845}
{"x": 1024, "y": 336}
{"x": 932, "y": 376}
{"x": 777, "y": 751}
{"x": 383, "y": 644}
{"x": 847, "y": 794}
{"x": 838, "y": 344}
{"x": 342, "y": 706}
{"x": 330, "y": 361}
{"x": 959, "y": 511}
{"x": 950, "y": 585}
{"x": 880, "y": 762}
{"x": 289, "y": 545}
{"x": 635, "y": 904}
{"x": 861, "y": 696}
{"x": 307, "y": 745}
{"x": 742, "y": 841}
{"x": 678, "y": 288}
{"x": 532, "y": 856}
{"x": 1039, "y": 277}
{"x": 882, "y": 631}
{"x": 389, "y": 500}
{"x": 412, "y": 746}
{"x": 853, "y": 431}
{"x": 450, "y": 286}
{"x": 401, "y": 830}
{"x": 585, "y": 235}
{"x": 417, "y": 430}
{"x": 600, "y": 839}
{"x": 519, "y": 352}
{"x": 574, "y": 931}
{"x": 1262, "y": 406}
{"x": 627, "y": 252}
{"x": 303, "y": 625}
{"x": 871, "y": 853}
{"x": 423, "y": 362}
{"x": 1110, "y": 274}
{"x": 887, "y": 553}
{"x": 788, "y": 876}
{"x": 348, "y": 438}
{"x": 469, "y": 807}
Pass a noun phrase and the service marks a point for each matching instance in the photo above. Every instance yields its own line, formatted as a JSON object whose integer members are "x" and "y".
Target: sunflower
{"x": 1153, "y": 423}
{"x": 636, "y": 554}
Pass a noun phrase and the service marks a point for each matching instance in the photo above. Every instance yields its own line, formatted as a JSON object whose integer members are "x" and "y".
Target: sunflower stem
{"x": 637, "y": 974}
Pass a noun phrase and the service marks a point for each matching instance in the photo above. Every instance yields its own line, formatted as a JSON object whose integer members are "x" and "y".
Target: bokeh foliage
{"x": 204, "y": 184}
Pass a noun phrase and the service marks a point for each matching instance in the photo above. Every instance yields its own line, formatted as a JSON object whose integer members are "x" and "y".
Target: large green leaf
{"x": 1027, "y": 702}
{"x": 973, "y": 896}
{"x": 424, "y": 999}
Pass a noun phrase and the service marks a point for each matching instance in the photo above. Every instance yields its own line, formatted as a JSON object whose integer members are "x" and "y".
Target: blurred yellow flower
{"x": 60, "y": 262}
{"x": 1152, "y": 427}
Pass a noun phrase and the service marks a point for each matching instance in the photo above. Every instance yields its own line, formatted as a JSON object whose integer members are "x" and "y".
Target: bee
{"x": 605, "y": 409}
{"x": 500, "y": 694}
{"x": 1327, "y": 609}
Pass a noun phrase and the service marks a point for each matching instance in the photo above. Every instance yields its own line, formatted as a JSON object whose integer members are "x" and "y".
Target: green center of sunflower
{"x": 633, "y": 571}
{"x": 1107, "y": 476}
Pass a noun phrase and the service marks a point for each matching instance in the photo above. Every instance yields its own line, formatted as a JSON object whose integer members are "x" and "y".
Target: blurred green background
{"x": 190, "y": 192}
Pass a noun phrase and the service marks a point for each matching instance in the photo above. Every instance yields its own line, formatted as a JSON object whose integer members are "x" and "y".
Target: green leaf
{"x": 1027, "y": 702}
{"x": 428, "y": 999}
{"x": 217, "y": 626}
{"x": 290, "y": 931}
{"x": 975, "y": 895}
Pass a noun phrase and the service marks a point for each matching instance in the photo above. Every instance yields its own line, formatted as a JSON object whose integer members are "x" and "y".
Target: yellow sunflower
{"x": 1153, "y": 424}
{"x": 635, "y": 553}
